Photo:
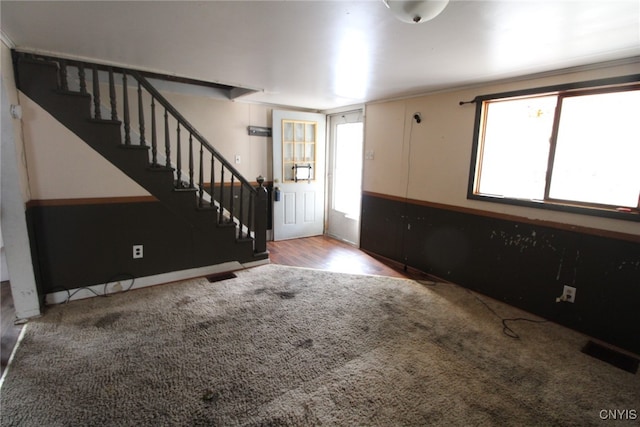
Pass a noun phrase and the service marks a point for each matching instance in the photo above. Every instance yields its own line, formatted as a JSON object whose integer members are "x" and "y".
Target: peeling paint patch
{"x": 634, "y": 265}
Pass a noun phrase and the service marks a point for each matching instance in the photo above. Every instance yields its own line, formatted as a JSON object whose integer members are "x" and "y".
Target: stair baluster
{"x": 141, "y": 115}
{"x": 231, "y": 190}
{"x": 191, "y": 161}
{"x": 201, "y": 179}
{"x": 178, "y": 159}
{"x": 112, "y": 96}
{"x": 154, "y": 138}
{"x": 211, "y": 184}
{"x": 125, "y": 110}
{"x": 167, "y": 142}
{"x": 64, "y": 84}
{"x": 83, "y": 79}
{"x": 96, "y": 94}
{"x": 262, "y": 200}
{"x": 221, "y": 193}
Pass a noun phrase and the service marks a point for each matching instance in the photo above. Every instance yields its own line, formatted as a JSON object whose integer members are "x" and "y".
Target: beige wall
{"x": 224, "y": 124}
{"x": 62, "y": 166}
{"x": 435, "y": 156}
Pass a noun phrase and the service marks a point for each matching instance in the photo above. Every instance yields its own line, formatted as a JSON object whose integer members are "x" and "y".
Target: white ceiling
{"x": 327, "y": 54}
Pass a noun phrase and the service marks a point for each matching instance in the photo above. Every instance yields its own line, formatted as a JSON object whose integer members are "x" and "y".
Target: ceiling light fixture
{"x": 416, "y": 11}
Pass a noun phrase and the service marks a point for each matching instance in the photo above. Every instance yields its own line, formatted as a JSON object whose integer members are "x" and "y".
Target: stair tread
{"x": 72, "y": 93}
{"x": 133, "y": 147}
{"x": 105, "y": 121}
{"x": 185, "y": 190}
{"x": 226, "y": 224}
{"x": 159, "y": 168}
{"x": 207, "y": 208}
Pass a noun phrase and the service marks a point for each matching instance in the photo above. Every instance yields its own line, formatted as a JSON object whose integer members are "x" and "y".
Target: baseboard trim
{"x": 256, "y": 263}
{"x": 143, "y": 282}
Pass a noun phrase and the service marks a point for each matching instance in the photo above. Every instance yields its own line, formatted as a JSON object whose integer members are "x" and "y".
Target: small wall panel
{"x": 289, "y": 200}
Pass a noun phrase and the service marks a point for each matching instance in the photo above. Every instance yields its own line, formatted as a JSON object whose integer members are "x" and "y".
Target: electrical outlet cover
{"x": 569, "y": 292}
{"x": 137, "y": 251}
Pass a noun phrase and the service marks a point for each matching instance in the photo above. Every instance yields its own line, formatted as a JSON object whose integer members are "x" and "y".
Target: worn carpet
{"x": 289, "y": 346}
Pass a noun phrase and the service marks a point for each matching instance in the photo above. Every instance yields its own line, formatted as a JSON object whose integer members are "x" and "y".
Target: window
{"x": 298, "y": 150}
{"x": 573, "y": 148}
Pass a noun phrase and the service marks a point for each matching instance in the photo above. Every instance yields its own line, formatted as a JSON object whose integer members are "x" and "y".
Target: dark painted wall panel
{"x": 382, "y": 231}
{"x": 84, "y": 245}
{"x": 522, "y": 264}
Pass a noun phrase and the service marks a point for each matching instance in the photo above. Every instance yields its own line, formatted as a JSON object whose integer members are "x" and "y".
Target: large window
{"x": 573, "y": 148}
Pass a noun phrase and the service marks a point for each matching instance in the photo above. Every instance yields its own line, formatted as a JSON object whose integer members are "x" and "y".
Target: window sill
{"x": 632, "y": 215}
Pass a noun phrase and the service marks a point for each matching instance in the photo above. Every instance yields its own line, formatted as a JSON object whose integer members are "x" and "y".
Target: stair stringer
{"x": 39, "y": 81}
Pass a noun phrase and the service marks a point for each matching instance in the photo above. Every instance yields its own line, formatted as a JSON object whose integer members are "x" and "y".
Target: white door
{"x": 345, "y": 176}
{"x": 298, "y": 174}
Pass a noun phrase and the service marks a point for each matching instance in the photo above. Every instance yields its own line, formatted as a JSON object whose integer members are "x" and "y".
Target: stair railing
{"x": 248, "y": 215}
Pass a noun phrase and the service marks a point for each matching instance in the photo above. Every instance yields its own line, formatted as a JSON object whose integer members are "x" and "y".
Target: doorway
{"x": 344, "y": 181}
{"x": 298, "y": 174}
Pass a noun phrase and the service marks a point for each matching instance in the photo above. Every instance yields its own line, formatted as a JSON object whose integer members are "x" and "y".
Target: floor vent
{"x": 220, "y": 276}
{"x": 613, "y": 357}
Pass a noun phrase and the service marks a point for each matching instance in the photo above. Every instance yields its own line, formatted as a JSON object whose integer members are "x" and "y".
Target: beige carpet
{"x": 289, "y": 346}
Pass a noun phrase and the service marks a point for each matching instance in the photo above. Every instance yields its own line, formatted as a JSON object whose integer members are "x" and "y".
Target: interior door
{"x": 298, "y": 174}
{"x": 345, "y": 176}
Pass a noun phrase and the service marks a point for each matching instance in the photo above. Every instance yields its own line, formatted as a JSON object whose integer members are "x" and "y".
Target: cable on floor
{"x": 506, "y": 329}
{"x": 116, "y": 278}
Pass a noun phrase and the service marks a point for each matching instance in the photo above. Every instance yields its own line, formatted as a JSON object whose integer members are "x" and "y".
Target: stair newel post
{"x": 201, "y": 178}
{"x": 125, "y": 110}
{"x": 221, "y": 192}
{"x": 96, "y": 94}
{"x": 154, "y": 136}
{"x": 250, "y": 214}
{"x": 141, "y": 115}
{"x": 231, "y": 191}
{"x": 211, "y": 184}
{"x": 260, "y": 215}
{"x": 178, "y": 158}
{"x": 83, "y": 78}
{"x": 190, "y": 160}
{"x": 112, "y": 95}
{"x": 167, "y": 141}
{"x": 64, "y": 83}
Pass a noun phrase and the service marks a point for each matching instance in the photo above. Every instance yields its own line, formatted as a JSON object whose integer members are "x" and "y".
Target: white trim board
{"x": 144, "y": 282}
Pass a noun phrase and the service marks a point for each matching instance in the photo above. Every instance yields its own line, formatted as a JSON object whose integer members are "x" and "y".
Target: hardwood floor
{"x": 318, "y": 252}
{"x": 325, "y": 253}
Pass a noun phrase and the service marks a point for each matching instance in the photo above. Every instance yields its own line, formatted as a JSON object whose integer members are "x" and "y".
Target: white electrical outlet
{"x": 137, "y": 251}
{"x": 569, "y": 294}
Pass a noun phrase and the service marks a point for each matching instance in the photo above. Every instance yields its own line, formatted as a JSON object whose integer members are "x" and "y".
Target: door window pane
{"x": 298, "y": 149}
{"x": 348, "y": 169}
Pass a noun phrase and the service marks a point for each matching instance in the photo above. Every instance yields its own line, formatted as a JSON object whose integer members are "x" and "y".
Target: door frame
{"x": 357, "y": 115}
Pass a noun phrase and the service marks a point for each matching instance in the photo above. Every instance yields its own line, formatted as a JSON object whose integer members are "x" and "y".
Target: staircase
{"x": 136, "y": 129}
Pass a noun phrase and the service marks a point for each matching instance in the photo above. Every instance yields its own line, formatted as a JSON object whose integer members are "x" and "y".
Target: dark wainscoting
{"x": 522, "y": 262}
{"x": 88, "y": 242}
